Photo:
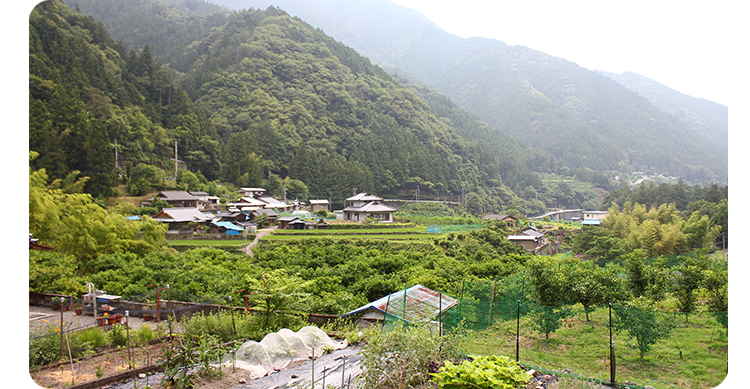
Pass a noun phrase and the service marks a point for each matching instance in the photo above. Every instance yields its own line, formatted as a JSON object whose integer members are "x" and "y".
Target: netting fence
{"x": 444, "y": 229}
{"x": 600, "y": 343}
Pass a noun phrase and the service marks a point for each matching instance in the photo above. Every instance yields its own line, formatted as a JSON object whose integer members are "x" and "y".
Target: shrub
{"x": 220, "y": 325}
{"x": 490, "y": 372}
{"x": 118, "y": 336}
{"x": 94, "y": 337}
{"x": 143, "y": 335}
{"x": 45, "y": 350}
{"x": 400, "y": 357}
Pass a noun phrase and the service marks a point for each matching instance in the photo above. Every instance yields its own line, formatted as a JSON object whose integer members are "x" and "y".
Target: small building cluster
{"x": 198, "y": 211}
{"x": 535, "y": 241}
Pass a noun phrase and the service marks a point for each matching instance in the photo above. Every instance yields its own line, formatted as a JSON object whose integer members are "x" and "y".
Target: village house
{"x": 365, "y": 205}
{"x": 182, "y": 220}
{"x": 256, "y": 198}
{"x": 246, "y": 204}
{"x": 594, "y": 218}
{"x": 205, "y": 200}
{"x": 509, "y": 220}
{"x": 250, "y": 192}
{"x": 273, "y": 203}
{"x": 270, "y": 215}
{"x": 530, "y": 239}
{"x": 317, "y": 205}
{"x": 178, "y": 199}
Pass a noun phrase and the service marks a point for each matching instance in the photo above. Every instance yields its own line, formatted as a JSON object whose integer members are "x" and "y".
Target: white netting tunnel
{"x": 278, "y": 349}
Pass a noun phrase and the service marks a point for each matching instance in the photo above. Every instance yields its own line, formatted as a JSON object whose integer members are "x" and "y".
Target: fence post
{"x": 234, "y": 327}
{"x": 492, "y": 301}
{"x": 385, "y": 315}
{"x": 403, "y": 315}
{"x": 62, "y": 327}
{"x": 518, "y": 328}
{"x": 127, "y": 330}
{"x": 343, "y": 368}
{"x": 440, "y": 316}
{"x": 612, "y": 367}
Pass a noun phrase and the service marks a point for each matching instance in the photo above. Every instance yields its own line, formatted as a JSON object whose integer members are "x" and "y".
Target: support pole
{"x": 157, "y": 316}
{"x": 612, "y": 366}
{"x": 518, "y": 328}
{"x": 169, "y": 306}
{"x": 403, "y": 315}
{"x": 234, "y": 327}
{"x": 492, "y": 301}
{"x": 127, "y": 330}
{"x": 247, "y": 302}
{"x": 62, "y": 327}
{"x": 440, "y": 313}
{"x": 343, "y": 368}
{"x": 385, "y": 315}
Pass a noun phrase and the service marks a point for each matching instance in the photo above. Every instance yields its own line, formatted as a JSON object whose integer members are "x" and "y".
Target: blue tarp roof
{"x": 591, "y": 222}
{"x": 229, "y": 226}
{"x": 133, "y": 218}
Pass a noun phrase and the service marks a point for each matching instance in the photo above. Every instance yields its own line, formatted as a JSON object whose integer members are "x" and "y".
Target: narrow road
{"x": 261, "y": 233}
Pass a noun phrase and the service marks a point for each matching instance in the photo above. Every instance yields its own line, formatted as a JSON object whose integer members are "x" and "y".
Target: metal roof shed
{"x": 415, "y": 304}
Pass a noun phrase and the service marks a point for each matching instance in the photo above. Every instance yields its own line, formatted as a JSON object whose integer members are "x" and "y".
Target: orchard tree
{"x": 651, "y": 281}
{"x": 643, "y": 323}
{"x": 715, "y": 281}
{"x": 278, "y": 296}
{"x": 592, "y": 285}
{"x": 689, "y": 276}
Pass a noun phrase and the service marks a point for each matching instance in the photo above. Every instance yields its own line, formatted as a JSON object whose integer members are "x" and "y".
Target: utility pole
{"x": 116, "y": 164}
{"x": 176, "y": 161}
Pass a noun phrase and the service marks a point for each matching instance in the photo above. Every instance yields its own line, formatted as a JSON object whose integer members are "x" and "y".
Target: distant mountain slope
{"x": 707, "y": 118}
{"x": 581, "y": 117}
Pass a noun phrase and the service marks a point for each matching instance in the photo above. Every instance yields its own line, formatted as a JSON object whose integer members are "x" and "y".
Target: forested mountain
{"x": 90, "y": 100}
{"x": 707, "y": 118}
{"x": 256, "y": 94}
{"x": 579, "y": 116}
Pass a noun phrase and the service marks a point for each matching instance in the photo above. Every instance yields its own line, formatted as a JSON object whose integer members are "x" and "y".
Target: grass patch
{"x": 358, "y": 231}
{"x": 694, "y": 357}
{"x": 418, "y": 234}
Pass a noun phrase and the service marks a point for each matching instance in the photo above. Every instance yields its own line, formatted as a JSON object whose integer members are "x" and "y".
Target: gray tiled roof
{"x": 172, "y": 195}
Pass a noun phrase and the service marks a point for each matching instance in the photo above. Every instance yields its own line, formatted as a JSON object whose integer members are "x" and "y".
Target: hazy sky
{"x": 690, "y": 46}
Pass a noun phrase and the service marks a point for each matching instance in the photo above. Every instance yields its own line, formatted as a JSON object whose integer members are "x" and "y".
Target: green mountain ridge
{"x": 256, "y": 95}
{"x": 525, "y": 93}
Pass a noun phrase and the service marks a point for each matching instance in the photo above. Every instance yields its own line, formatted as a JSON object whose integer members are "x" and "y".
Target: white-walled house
{"x": 364, "y": 205}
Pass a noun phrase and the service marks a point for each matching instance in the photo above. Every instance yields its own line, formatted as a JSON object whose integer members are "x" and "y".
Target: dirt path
{"x": 261, "y": 233}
